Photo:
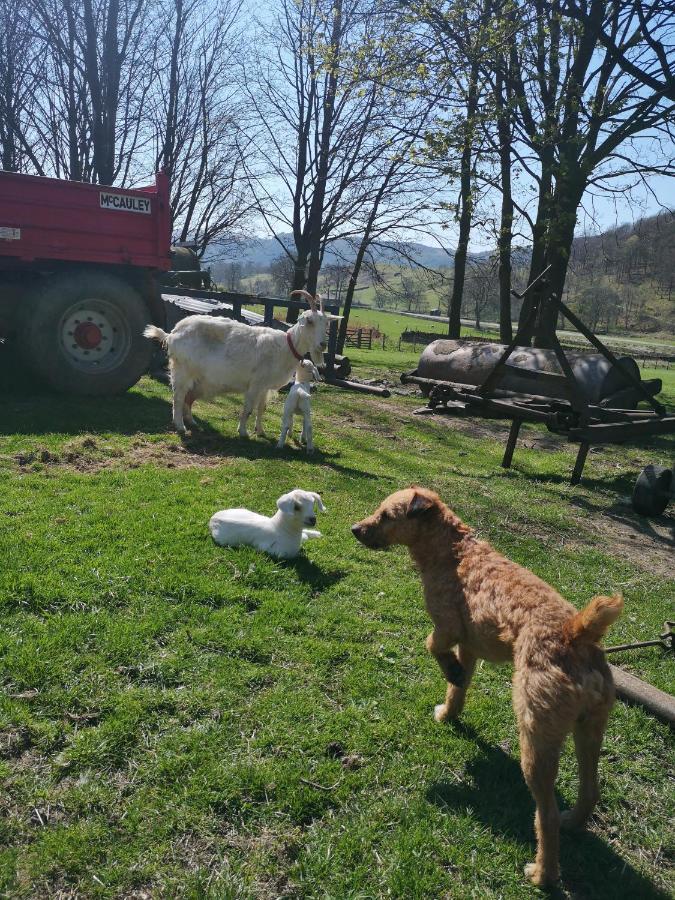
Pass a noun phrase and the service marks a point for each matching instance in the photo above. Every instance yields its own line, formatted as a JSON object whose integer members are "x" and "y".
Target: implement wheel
{"x": 82, "y": 333}
{"x": 652, "y": 491}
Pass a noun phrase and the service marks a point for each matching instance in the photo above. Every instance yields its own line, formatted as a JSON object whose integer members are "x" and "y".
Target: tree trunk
{"x": 538, "y": 258}
{"x": 317, "y": 208}
{"x": 351, "y": 288}
{"x": 466, "y": 204}
{"x": 506, "y": 224}
{"x": 566, "y": 201}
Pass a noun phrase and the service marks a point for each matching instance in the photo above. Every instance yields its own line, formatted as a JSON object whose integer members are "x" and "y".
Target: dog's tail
{"x": 156, "y": 333}
{"x": 593, "y": 621}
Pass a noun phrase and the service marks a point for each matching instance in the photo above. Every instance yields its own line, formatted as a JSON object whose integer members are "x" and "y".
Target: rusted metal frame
{"x": 511, "y": 443}
{"x": 666, "y": 640}
{"x": 580, "y": 462}
{"x": 608, "y": 432}
{"x": 358, "y": 387}
{"x": 658, "y": 408}
{"x": 578, "y": 398}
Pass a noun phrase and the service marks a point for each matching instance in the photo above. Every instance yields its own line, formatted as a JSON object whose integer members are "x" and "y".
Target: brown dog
{"x": 491, "y": 608}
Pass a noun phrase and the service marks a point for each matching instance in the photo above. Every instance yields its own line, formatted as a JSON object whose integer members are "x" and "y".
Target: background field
{"x": 186, "y": 721}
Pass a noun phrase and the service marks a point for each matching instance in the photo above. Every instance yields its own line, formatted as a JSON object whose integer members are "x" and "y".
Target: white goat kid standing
{"x": 299, "y": 401}
{"x": 210, "y": 356}
{"x": 280, "y": 535}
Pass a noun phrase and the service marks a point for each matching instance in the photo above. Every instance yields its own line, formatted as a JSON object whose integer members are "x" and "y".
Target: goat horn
{"x": 320, "y": 299}
{"x": 306, "y": 294}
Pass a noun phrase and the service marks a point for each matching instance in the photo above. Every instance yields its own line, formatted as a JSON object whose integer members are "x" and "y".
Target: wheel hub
{"x": 94, "y": 335}
{"x": 87, "y": 335}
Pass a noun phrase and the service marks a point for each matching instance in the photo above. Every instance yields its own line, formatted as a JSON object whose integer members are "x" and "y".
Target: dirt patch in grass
{"x": 92, "y": 455}
{"x": 645, "y": 543}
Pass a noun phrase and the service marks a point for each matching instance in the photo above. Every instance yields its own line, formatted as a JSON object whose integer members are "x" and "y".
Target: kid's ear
{"x": 419, "y": 505}
{"x": 333, "y": 318}
{"x": 319, "y": 502}
{"x": 286, "y": 503}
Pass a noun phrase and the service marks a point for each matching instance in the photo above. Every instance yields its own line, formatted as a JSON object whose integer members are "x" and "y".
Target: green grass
{"x": 170, "y": 710}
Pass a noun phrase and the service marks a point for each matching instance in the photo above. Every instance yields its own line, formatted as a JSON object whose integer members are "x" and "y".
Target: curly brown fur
{"x": 484, "y": 606}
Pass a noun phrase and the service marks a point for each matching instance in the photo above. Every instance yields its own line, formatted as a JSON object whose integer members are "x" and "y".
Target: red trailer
{"x": 79, "y": 267}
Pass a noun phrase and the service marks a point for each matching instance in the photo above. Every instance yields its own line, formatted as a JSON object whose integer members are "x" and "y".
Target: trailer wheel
{"x": 82, "y": 333}
{"x": 652, "y": 490}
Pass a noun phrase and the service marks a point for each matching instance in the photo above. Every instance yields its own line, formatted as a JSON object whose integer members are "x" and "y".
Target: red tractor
{"x": 80, "y": 268}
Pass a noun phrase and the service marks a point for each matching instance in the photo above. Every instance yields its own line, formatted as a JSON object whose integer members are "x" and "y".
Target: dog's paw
{"x": 571, "y": 820}
{"x": 537, "y": 876}
{"x": 440, "y": 712}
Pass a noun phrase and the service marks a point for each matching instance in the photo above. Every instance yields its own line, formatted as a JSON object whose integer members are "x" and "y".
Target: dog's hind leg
{"x": 455, "y": 696}
{"x": 439, "y": 644}
{"x": 588, "y": 734}
{"x": 539, "y": 758}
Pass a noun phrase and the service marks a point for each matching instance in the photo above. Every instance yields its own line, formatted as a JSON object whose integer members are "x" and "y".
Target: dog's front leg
{"x": 439, "y": 644}
{"x": 456, "y": 694}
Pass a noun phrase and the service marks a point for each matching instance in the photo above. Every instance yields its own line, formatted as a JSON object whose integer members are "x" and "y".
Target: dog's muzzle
{"x": 360, "y": 532}
{"x": 310, "y": 520}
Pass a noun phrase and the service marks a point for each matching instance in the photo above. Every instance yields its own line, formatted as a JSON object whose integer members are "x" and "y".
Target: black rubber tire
{"x": 42, "y": 327}
{"x": 650, "y": 494}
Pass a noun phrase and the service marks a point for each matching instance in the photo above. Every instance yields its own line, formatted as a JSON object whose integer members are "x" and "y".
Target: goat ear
{"x": 419, "y": 505}
{"x": 286, "y": 503}
{"x": 319, "y": 502}
{"x": 333, "y": 318}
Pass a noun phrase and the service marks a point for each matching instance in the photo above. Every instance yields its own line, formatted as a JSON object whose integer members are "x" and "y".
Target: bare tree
{"x": 586, "y": 122}
{"x": 19, "y": 69}
{"x": 92, "y": 96}
{"x": 324, "y": 131}
{"x": 195, "y": 113}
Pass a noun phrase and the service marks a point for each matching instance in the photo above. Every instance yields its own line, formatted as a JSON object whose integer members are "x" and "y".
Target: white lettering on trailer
{"x": 9, "y": 234}
{"x": 124, "y": 202}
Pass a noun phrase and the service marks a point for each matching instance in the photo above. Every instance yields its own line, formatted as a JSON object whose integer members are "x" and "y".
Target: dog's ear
{"x": 319, "y": 502}
{"x": 419, "y": 505}
{"x": 286, "y": 503}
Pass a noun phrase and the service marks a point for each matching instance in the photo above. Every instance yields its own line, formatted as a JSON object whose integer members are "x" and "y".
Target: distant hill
{"x": 257, "y": 254}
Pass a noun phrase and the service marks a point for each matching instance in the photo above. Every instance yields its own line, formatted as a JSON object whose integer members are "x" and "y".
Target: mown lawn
{"x": 179, "y": 720}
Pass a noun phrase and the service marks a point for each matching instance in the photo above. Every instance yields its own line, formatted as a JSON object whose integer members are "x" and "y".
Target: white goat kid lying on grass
{"x": 281, "y": 535}
{"x": 210, "y": 356}
{"x": 299, "y": 401}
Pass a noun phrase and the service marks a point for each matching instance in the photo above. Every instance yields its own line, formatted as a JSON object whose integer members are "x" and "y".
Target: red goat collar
{"x": 291, "y": 347}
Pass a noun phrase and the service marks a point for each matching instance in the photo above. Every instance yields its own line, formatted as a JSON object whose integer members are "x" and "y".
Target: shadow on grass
{"x": 309, "y": 573}
{"x": 498, "y": 796}
{"x": 208, "y": 441}
{"x": 30, "y": 408}
{"x": 641, "y": 525}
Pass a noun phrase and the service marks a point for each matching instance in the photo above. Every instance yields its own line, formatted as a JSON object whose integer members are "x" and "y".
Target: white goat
{"x": 281, "y": 535}
{"x": 299, "y": 401}
{"x": 210, "y": 356}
